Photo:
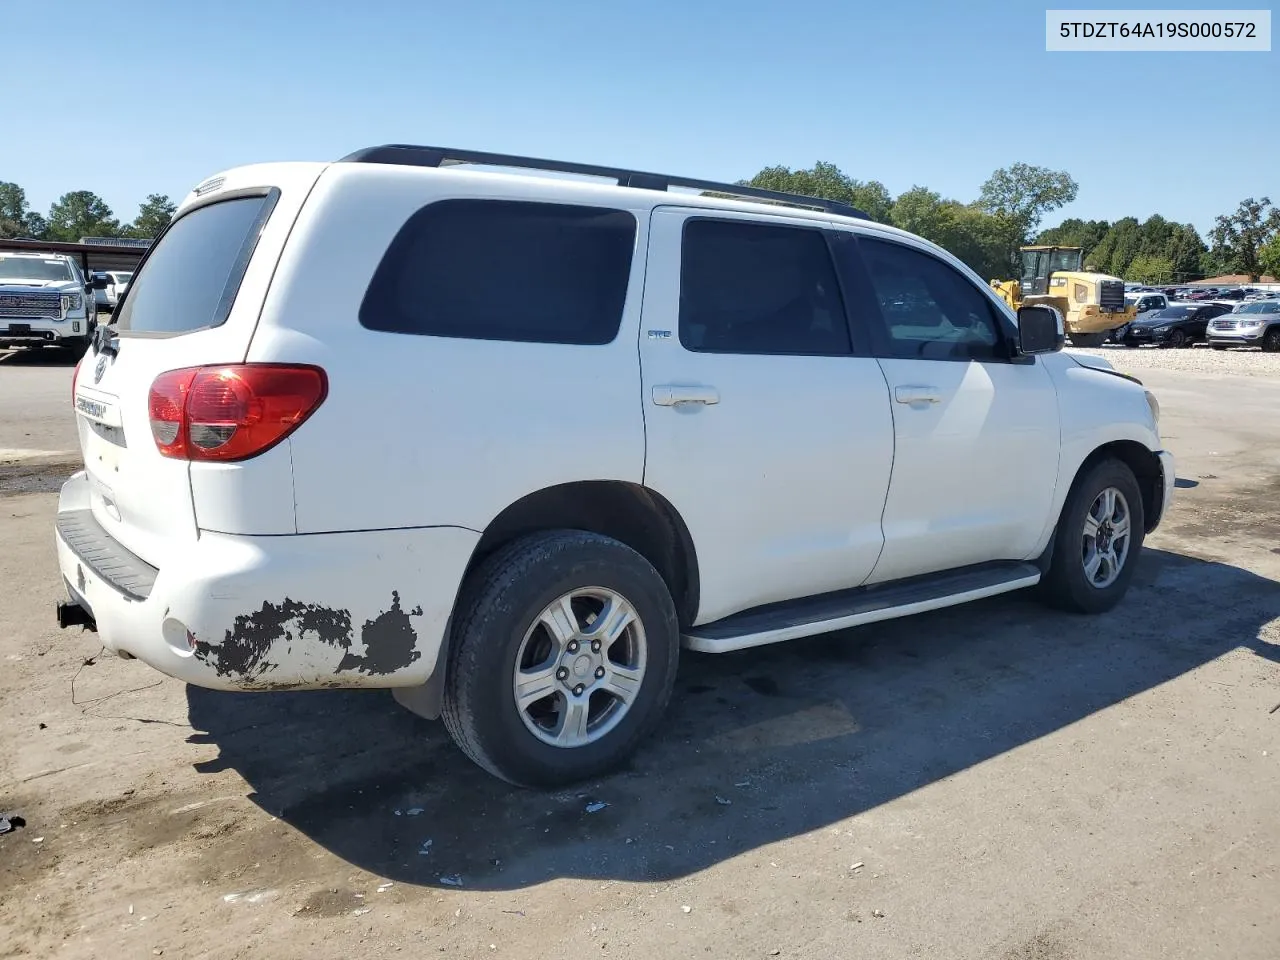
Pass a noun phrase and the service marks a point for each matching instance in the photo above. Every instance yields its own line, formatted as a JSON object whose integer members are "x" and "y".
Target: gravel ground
{"x": 996, "y": 781}
{"x": 1242, "y": 363}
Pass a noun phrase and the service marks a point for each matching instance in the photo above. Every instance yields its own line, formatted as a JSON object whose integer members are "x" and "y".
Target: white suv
{"x": 504, "y": 442}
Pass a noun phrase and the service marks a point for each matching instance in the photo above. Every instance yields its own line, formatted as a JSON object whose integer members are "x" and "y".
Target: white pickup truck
{"x": 45, "y": 301}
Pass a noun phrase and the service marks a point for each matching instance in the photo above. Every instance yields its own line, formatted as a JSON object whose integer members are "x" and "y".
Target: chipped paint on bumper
{"x": 365, "y": 609}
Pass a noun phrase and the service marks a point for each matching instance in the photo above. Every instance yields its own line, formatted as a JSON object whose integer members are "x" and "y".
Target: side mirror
{"x": 97, "y": 283}
{"x": 1040, "y": 330}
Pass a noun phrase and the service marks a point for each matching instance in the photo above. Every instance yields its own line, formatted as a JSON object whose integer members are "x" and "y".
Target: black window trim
{"x": 859, "y": 341}
{"x": 1005, "y": 350}
{"x": 238, "y": 270}
{"x": 398, "y": 239}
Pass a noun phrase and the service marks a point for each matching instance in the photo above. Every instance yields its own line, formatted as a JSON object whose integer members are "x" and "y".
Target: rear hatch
{"x": 195, "y": 300}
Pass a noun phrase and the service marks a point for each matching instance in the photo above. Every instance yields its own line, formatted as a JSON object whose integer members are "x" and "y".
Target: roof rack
{"x": 419, "y": 156}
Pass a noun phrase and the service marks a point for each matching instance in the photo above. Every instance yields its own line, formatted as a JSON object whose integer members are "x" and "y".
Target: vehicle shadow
{"x": 758, "y": 746}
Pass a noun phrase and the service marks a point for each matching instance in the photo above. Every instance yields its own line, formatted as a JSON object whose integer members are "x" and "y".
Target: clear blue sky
{"x": 938, "y": 94}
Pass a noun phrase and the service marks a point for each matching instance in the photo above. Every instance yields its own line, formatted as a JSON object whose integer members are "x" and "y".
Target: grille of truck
{"x": 45, "y": 306}
{"x": 1111, "y": 294}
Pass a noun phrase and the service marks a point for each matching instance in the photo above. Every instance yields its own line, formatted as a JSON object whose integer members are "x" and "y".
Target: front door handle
{"x": 671, "y": 394}
{"x": 917, "y": 394}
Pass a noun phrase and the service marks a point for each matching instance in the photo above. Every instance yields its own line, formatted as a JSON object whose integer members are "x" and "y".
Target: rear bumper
{"x": 229, "y": 612}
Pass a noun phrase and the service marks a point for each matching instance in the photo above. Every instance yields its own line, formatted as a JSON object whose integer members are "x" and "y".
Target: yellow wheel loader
{"x": 1092, "y": 304}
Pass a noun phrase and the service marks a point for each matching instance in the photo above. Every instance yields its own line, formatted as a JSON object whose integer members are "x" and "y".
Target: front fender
{"x": 1096, "y": 406}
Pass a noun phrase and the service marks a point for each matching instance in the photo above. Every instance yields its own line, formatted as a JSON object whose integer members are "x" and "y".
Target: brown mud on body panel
{"x": 256, "y": 642}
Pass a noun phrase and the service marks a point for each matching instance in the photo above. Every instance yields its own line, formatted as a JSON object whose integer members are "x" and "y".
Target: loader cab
{"x": 1039, "y": 263}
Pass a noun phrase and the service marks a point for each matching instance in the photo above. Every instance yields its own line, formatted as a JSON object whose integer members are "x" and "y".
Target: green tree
{"x": 81, "y": 213}
{"x": 37, "y": 226}
{"x": 16, "y": 218}
{"x": 154, "y": 215}
{"x": 1269, "y": 257}
{"x": 1146, "y": 268}
{"x": 978, "y": 238}
{"x": 1073, "y": 232}
{"x": 1184, "y": 250}
{"x": 1025, "y": 193}
{"x": 1242, "y": 235}
{"x": 828, "y": 182}
{"x": 920, "y": 211}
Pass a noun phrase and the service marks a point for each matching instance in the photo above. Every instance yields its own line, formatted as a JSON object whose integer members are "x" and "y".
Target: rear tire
{"x": 1077, "y": 580}
{"x": 1271, "y": 340}
{"x": 524, "y": 620}
{"x": 1217, "y": 346}
{"x": 1177, "y": 340}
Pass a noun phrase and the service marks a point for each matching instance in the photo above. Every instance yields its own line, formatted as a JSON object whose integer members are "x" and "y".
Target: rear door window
{"x": 190, "y": 279}
{"x": 505, "y": 270}
{"x": 757, "y": 288}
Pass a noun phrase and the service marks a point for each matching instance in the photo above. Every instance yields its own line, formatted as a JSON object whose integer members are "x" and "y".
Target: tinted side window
{"x": 928, "y": 310}
{"x": 190, "y": 279}
{"x": 759, "y": 288}
{"x": 505, "y": 270}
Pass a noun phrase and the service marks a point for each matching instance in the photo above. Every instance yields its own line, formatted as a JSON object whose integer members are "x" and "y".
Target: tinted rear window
{"x": 757, "y": 288}
{"x": 190, "y": 279}
{"x": 505, "y": 270}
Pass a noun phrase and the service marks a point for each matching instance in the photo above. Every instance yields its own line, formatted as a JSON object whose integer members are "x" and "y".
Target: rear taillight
{"x": 231, "y": 412}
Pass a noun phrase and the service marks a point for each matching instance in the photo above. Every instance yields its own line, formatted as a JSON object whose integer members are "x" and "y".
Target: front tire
{"x": 563, "y": 658}
{"x": 1096, "y": 545}
{"x": 1178, "y": 340}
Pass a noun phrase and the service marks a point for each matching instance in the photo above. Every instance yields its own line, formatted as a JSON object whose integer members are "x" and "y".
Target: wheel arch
{"x": 631, "y": 513}
{"x": 1146, "y": 470}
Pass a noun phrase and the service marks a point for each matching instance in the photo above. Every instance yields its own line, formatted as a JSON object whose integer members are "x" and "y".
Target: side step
{"x": 807, "y": 616}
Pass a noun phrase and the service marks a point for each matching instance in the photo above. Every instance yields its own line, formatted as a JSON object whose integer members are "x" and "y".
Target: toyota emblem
{"x": 100, "y": 369}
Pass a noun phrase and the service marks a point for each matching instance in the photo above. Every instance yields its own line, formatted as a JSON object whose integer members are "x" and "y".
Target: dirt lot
{"x": 989, "y": 782}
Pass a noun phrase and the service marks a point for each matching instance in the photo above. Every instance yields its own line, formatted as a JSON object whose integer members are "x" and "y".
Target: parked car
{"x": 45, "y": 301}
{"x": 506, "y": 442}
{"x": 115, "y": 282}
{"x": 1147, "y": 304}
{"x": 1254, "y": 324}
{"x": 1179, "y": 325}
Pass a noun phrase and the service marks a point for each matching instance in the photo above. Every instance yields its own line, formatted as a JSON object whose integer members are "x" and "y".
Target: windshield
{"x": 31, "y": 268}
{"x": 1064, "y": 260}
{"x": 1173, "y": 313}
{"x": 1260, "y": 308}
{"x": 121, "y": 277}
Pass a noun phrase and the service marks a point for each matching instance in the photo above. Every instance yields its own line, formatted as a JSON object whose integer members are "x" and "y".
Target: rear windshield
{"x": 190, "y": 279}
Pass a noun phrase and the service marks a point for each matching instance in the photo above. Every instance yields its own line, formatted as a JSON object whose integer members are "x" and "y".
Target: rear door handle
{"x": 917, "y": 394}
{"x": 671, "y": 394}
